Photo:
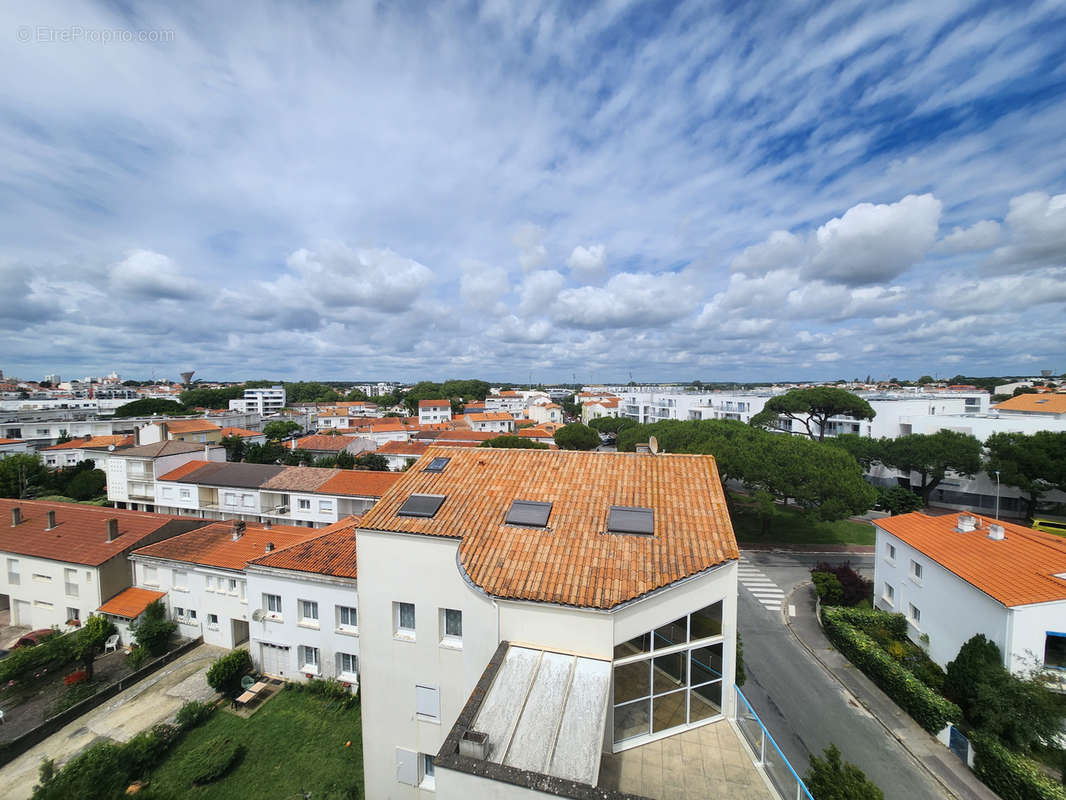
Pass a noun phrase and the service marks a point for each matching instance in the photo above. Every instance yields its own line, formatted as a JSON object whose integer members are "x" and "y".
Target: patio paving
{"x": 709, "y": 761}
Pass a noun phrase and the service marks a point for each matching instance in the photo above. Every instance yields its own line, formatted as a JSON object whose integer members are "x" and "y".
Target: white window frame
{"x": 70, "y": 582}
{"x": 14, "y": 576}
{"x": 399, "y": 632}
{"x": 212, "y": 621}
{"x": 427, "y": 703}
{"x": 890, "y": 553}
{"x": 179, "y": 613}
{"x": 303, "y": 504}
{"x": 309, "y": 659}
{"x": 76, "y": 615}
{"x": 342, "y": 669}
{"x": 888, "y": 594}
{"x": 914, "y": 615}
{"x": 307, "y": 613}
{"x": 449, "y": 640}
{"x": 150, "y": 575}
{"x": 347, "y": 627}
{"x": 325, "y": 506}
{"x": 427, "y": 778}
{"x": 917, "y": 570}
{"x": 272, "y": 605}
{"x": 180, "y": 581}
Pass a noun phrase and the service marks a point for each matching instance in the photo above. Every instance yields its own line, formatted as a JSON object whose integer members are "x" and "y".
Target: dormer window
{"x": 421, "y": 505}
{"x": 528, "y": 514}
{"x": 631, "y": 519}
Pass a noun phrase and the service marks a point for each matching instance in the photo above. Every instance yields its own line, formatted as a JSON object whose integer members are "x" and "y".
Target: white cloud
{"x": 481, "y": 286}
{"x": 781, "y": 250}
{"x": 1037, "y": 224}
{"x": 627, "y": 300}
{"x": 539, "y": 291}
{"x": 152, "y": 275}
{"x": 588, "y": 261}
{"x": 529, "y": 239}
{"x": 983, "y": 235}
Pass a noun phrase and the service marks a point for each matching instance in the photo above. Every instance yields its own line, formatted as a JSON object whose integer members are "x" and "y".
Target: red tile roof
{"x": 573, "y": 561}
{"x": 242, "y": 432}
{"x": 213, "y": 545}
{"x": 190, "y": 426}
{"x": 80, "y": 535}
{"x": 359, "y": 483}
{"x": 1016, "y": 571}
{"x": 130, "y": 603}
{"x": 402, "y": 449}
{"x": 332, "y": 552}
{"x": 434, "y": 403}
{"x": 183, "y": 470}
{"x": 333, "y": 444}
{"x": 1035, "y": 404}
{"x": 99, "y": 442}
{"x": 11, "y": 441}
{"x": 490, "y": 416}
{"x": 464, "y": 436}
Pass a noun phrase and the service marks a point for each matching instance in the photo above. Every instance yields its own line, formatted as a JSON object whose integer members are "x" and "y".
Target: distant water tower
{"x": 186, "y": 377}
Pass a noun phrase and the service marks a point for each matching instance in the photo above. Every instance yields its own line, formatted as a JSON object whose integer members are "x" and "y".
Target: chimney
{"x": 16, "y": 516}
{"x": 112, "y": 529}
{"x": 474, "y": 744}
{"x": 162, "y": 431}
{"x": 996, "y": 533}
{"x": 51, "y": 520}
{"x": 266, "y": 525}
{"x": 966, "y": 523}
{"x": 238, "y": 529}
{"x": 207, "y": 452}
{"x": 269, "y": 547}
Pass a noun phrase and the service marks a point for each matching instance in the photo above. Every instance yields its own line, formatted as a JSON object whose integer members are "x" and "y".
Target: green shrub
{"x": 331, "y": 691}
{"x": 225, "y": 674}
{"x": 833, "y": 779}
{"x": 137, "y": 658}
{"x": 1010, "y": 775}
{"x": 928, "y": 708}
{"x": 827, "y": 586}
{"x": 96, "y": 774}
{"x": 192, "y": 714}
{"x": 211, "y": 760}
{"x": 142, "y": 753}
{"x": 27, "y": 663}
{"x": 73, "y": 695}
{"x": 153, "y": 631}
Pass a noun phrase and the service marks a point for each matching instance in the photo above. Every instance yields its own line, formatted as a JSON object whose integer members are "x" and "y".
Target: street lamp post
{"x": 997, "y": 493}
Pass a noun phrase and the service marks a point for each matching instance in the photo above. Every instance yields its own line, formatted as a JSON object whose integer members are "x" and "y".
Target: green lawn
{"x": 295, "y": 744}
{"x": 792, "y": 526}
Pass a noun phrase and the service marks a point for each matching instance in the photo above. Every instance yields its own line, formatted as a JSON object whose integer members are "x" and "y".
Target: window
{"x": 347, "y": 618}
{"x": 916, "y": 570}
{"x": 1055, "y": 650}
{"x": 150, "y": 576}
{"x": 309, "y": 658}
{"x": 421, "y": 505}
{"x": 191, "y": 615}
{"x": 325, "y": 505}
{"x": 406, "y": 766}
{"x": 627, "y": 519}
{"x": 212, "y": 620}
{"x": 73, "y": 615}
{"x": 428, "y": 778}
{"x": 242, "y": 587}
{"x": 13, "y": 576}
{"x": 308, "y": 612}
{"x": 248, "y": 501}
{"x": 179, "y": 612}
{"x": 232, "y": 586}
{"x": 185, "y": 494}
{"x": 181, "y": 580}
{"x": 427, "y": 703}
{"x": 70, "y": 582}
{"x": 303, "y": 504}
{"x": 890, "y": 551}
{"x": 229, "y": 498}
{"x": 42, "y": 578}
{"x": 914, "y": 613}
{"x": 347, "y": 664}
{"x": 437, "y": 464}
{"x": 528, "y": 514}
{"x": 451, "y": 624}
{"x": 41, "y": 604}
{"x": 272, "y": 603}
{"x": 403, "y": 620}
{"x": 889, "y": 594}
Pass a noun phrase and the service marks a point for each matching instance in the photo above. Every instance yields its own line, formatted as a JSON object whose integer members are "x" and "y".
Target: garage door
{"x": 274, "y": 658}
{"x": 22, "y": 613}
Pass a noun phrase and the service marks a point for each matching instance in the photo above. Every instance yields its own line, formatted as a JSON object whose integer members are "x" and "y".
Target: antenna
{"x": 653, "y": 445}
{"x": 258, "y": 615}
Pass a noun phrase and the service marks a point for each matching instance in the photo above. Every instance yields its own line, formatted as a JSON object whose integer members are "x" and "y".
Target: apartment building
{"x": 528, "y": 583}
{"x": 264, "y": 401}
{"x": 63, "y": 560}
{"x": 545, "y": 412}
{"x": 431, "y": 412}
{"x": 202, "y": 431}
{"x": 498, "y": 422}
{"x": 87, "y": 448}
{"x": 9, "y": 446}
{"x": 133, "y": 471}
{"x": 508, "y": 401}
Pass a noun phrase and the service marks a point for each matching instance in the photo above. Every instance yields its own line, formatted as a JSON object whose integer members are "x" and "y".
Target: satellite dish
{"x": 653, "y": 445}
{"x": 258, "y": 615}
{"x": 110, "y": 448}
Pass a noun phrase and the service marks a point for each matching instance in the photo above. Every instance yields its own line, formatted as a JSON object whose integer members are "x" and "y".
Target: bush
{"x": 28, "y": 662}
{"x": 1011, "y": 776}
{"x": 225, "y": 674}
{"x": 898, "y": 500}
{"x": 79, "y": 676}
{"x": 142, "y": 753}
{"x": 577, "y": 437}
{"x": 192, "y": 714}
{"x": 137, "y": 658}
{"x": 72, "y": 696}
{"x": 211, "y": 760}
{"x": 827, "y": 586}
{"x": 928, "y": 708}
{"x": 331, "y": 691}
{"x": 854, "y": 587}
{"x": 153, "y": 631}
{"x": 977, "y": 661}
{"x": 833, "y": 779}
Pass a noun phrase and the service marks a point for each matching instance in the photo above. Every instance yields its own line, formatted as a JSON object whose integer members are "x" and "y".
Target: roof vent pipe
{"x": 51, "y": 520}
{"x": 16, "y": 516}
{"x": 266, "y": 525}
{"x": 238, "y": 529}
{"x": 966, "y": 523}
{"x": 112, "y": 529}
{"x": 997, "y": 533}
{"x": 269, "y": 547}
{"x": 474, "y": 744}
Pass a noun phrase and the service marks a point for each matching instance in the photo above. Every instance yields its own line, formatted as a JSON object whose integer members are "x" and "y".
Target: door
{"x": 274, "y": 659}
{"x": 22, "y": 613}
{"x": 240, "y": 631}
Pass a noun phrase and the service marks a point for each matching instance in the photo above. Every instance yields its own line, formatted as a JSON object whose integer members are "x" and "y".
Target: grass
{"x": 294, "y": 744}
{"x": 792, "y": 526}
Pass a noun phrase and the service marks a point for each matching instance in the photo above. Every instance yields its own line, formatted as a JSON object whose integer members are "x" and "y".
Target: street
{"x": 803, "y": 707}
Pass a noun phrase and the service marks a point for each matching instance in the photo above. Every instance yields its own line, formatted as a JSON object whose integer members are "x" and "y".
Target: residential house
{"x": 1046, "y": 405}
{"x": 401, "y": 454}
{"x": 546, "y": 412}
{"x": 180, "y": 430}
{"x": 958, "y": 575}
{"x": 126, "y": 608}
{"x": 545, "y": 434}
{"x": 508, "y": 401}
{"x": 538, "y": 547}
{"x": 132, "y": 472}
{"x": 432, "y": 411}
{"x": 455, "y": 438}
{"x": 320, "y": 445}
{"x": 308, "y": 617}
{"x": 202, "y": 575}
{"x": 602, "y": 407}
{"x": 9, "y": 446}
{"x": 247, "y": 436}
{"x": 63, "y": 560}
{"x": 88, "y": 448}
{"x": 491, "y": 422}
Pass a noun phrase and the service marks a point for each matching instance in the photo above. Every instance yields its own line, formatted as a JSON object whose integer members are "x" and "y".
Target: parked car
{"x": 34, "y": 637}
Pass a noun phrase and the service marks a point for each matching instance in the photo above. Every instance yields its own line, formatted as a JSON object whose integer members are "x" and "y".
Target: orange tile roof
{"x": 402, "y": 449}
{"x": 333, "y": 444}
{"x": 1035, "y": 403}
{"x": 242, "y": 432}
{"x": 80, "y": 535}
{"x": 508, "y": 393}
{"x": 180, "y": 472}
{"x": 434, "y": 403}
{"x": 535, "y": 433}
{"x": 93, "y": 442}
{"x": 465, "y": 436}
{"x": 1016, "y": 571}
{"x": 190, "y": 426}
{"x": 11, "y": 441}
{"x": 331, "y": 552}
{"x": 359, "y": 483}
{"x": 130, "y": 603}
{"x": 213, "y": 545}
{"x": 574, "y": 561}
{"x": 490, "y": 416}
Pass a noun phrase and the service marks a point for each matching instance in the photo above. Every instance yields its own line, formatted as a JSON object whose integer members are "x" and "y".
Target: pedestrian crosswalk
{"x": 762, "y": 588}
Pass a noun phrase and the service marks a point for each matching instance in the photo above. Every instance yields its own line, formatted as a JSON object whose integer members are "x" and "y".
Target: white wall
{"x": 1029, "y": 626}
{"x": 39, "y": 598}
{"x": 454, "y": 785}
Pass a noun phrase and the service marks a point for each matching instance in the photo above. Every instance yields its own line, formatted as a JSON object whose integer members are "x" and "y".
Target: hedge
{"x": 224, "y": 676}
{"x": 928, "y": 708}
{"x": 1010, "y": 775}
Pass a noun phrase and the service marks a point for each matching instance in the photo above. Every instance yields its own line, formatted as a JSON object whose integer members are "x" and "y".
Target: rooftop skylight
{"x": 421, "y": 505}
{"x": 528, "y": 513}
{"x": 437, "y": 465}
{"x": 630, "y": 519}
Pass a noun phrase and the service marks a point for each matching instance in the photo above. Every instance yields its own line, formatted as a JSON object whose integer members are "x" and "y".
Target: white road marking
{"x": 761, "y": 587}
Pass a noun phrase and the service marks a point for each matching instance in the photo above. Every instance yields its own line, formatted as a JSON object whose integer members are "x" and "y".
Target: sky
{"x": 598, "y": 191}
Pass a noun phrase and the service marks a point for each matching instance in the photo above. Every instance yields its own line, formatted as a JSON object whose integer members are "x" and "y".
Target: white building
{"x": 63, "y": 560}
{"x": 431, "y": 412}
{"x": 603, "y": 407}
{"x": 958, "y": 575}
{"x": 535, "y": 548}
{"x": 133, "y": 471}
{"x": 308, "y": 617}
{"x": 546, "y": 412}
{"x": 202, "y": 575}
{"x": 490, "y": 422}
{"x": 509, "y": 401}
{"x": 264, "y": 401}
{"x": 89, "y": 448}
{"x": 9, "y": 446}
{"x": 401, "y": 454}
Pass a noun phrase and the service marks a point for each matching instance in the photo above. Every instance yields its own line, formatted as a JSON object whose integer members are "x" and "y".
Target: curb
{"x": 857, "y": 699}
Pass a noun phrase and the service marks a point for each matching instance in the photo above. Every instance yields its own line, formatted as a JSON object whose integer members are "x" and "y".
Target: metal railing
{"x": 770, "y": 758}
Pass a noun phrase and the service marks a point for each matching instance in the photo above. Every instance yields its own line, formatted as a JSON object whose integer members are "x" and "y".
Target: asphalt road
{"x": 802, "y": 706}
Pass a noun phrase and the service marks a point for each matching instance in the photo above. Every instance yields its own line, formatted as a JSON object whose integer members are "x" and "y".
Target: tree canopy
{"x": 280, "y": 428}
{"x": 150, "y": 406}
{"x": 831, "y": 778}
{"x": 611, "y": 424}
{"x": 577, "y": 437}
{"x": 812, "y": 408}
{"x": 454, "y": 390}
{"x": 515, "y": 443}
{"x": 932, "y": 455}
{"x": 1034, "y": 463}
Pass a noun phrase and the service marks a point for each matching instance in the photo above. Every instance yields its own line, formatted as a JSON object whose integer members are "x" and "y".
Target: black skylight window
{"x": 529, "y": 513}
{"x": 627, "y": 519}
{"x": 421, "y": 505}
{"x": 437, "y": 465}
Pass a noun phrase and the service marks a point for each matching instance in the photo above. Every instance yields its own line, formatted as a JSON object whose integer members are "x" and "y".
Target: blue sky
{"x": 676, "y": 191}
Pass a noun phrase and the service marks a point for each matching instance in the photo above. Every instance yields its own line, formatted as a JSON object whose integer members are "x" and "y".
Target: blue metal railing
{"x": 771, "y": 759}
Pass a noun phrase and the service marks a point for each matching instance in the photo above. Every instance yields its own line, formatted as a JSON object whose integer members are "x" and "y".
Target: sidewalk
{"x": 936, "y": 759}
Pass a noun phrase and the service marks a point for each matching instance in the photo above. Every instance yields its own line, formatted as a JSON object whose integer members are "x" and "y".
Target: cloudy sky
{"x": 407, "y": 190}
